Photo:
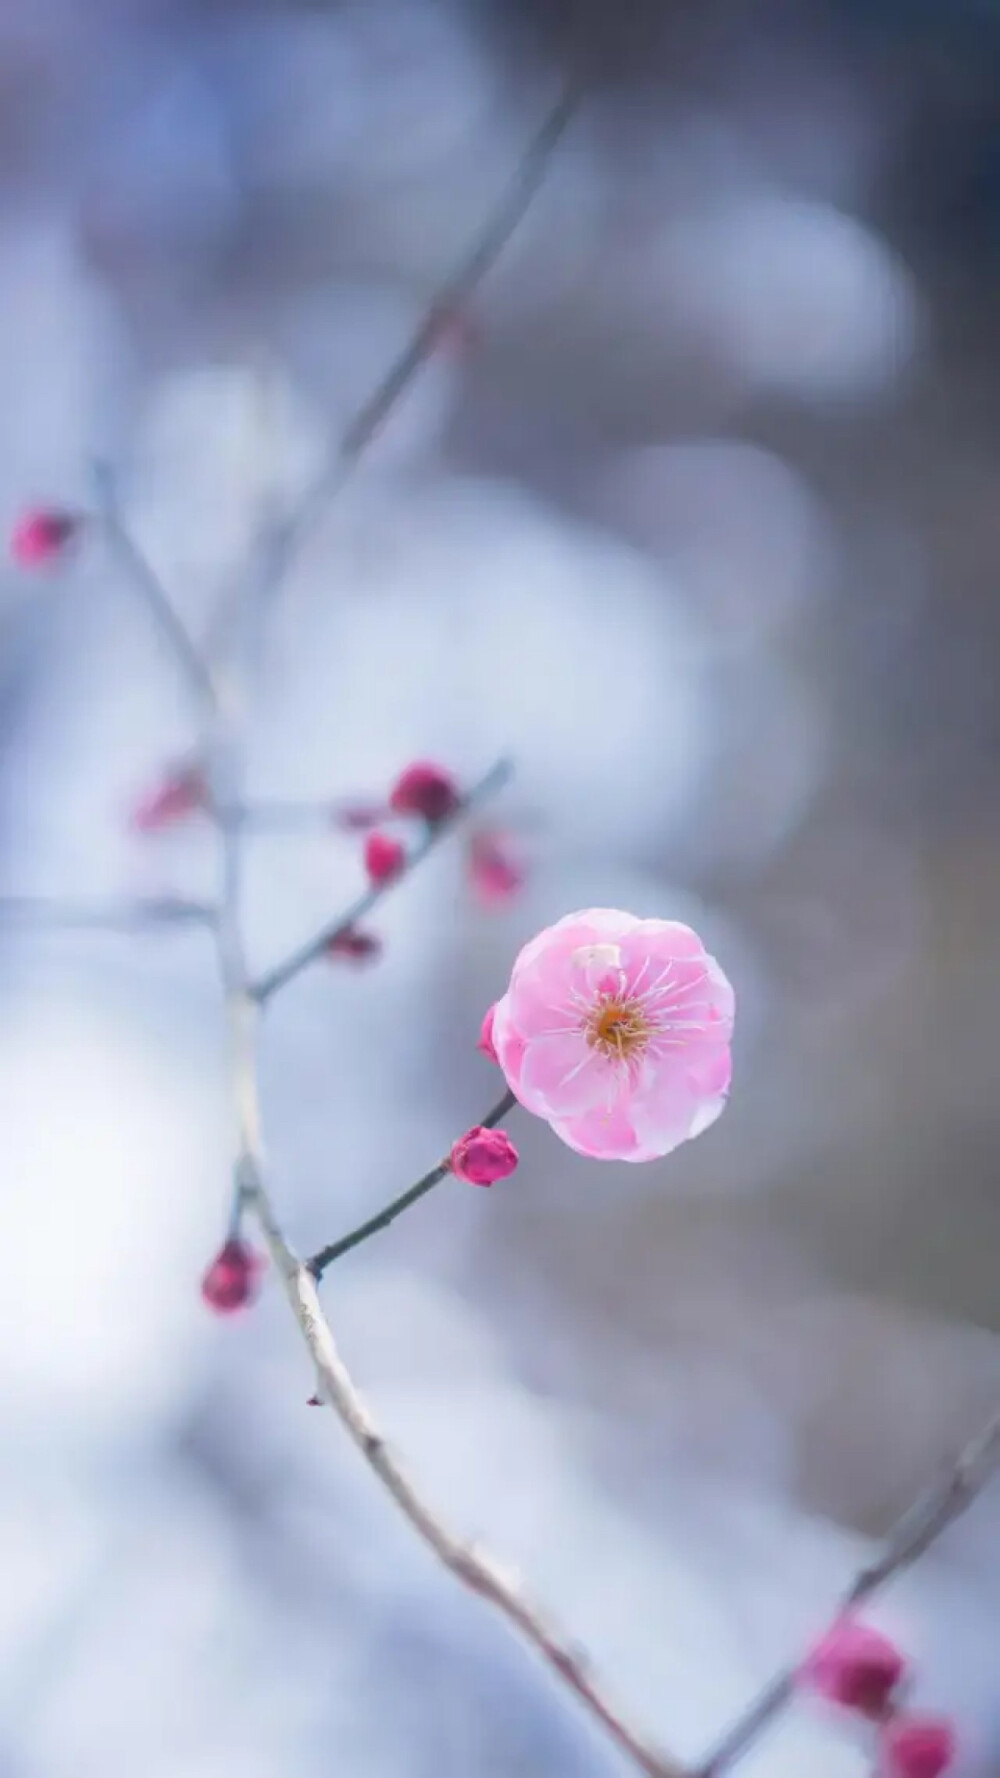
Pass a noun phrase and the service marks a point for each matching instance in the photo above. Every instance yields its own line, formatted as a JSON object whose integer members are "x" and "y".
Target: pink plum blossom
{"x": 617, "y": 1031}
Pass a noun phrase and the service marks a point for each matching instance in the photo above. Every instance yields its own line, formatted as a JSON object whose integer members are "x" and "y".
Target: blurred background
{"x": 696, "y": 513}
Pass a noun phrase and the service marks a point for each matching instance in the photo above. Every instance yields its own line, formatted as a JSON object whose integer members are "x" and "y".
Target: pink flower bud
{"x": 854, "y": 1666}
{"x": 485, "y": 1044}
{"x": 481, "y": 1157}
{"x": 913, "y": 1746}
{"x": 495, "y": 875}
{"x": 232, "y": 1278}
{"x": 178, "y": 795}
{"x": 355, "y": 945}
{"x": 42, "y": 535}
{"x": 425, "y": 790}
{"x": 385, "y": 858}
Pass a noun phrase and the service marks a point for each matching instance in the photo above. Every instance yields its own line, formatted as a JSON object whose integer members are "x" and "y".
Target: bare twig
{"x": 269, "y": 984}
{"x": 53, "y": 914}
{"x": 908, "y": 1540}
{"x": 473, "y": 1567}
{"x": 283, "y": 538}
{"x": 149, "y": 586}
{"x": 326, "y": 1255}
{"x": 223, "y": 701}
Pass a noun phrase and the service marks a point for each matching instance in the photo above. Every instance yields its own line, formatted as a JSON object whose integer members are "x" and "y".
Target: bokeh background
{"x": 698, "y": 516}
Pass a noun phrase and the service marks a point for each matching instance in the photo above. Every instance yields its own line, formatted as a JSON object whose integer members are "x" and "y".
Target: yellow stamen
{"x": 617, "y": 1027}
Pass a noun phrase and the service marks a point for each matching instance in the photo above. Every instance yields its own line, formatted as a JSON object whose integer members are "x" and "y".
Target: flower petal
{"x": 563, "y": 1076}
{"x": 602, "y": 1135}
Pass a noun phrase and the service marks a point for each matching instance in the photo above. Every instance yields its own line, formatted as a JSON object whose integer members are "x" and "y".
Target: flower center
{"x": 616, "y": 1027}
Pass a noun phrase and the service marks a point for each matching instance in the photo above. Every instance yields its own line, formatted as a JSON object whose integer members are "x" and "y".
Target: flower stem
{"x": 266, "y": 986}
{"x": 326, "y": 1255}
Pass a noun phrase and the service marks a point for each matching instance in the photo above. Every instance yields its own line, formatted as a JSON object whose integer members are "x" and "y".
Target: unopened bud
{"x": 425, "y": 790}
{"x": 231, "y": 1280}
{"x": 482, "y": 1156}
{"x": 385, "y": 858}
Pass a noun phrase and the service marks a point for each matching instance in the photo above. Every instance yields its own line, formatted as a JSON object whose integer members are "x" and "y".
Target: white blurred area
{"x": 663, "y": 529}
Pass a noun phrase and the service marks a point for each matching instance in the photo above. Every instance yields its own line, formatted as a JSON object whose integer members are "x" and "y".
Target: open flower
{"x": 617, "y": 1031}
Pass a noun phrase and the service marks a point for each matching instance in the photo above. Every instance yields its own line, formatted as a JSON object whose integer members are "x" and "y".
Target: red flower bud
{"x": 425, "y": 790}
{"x": 485, "y": 1044}
{"x": 385, "y": 858}
{"x": 854, "y": 1666}
{"x": 913, "y": 1746}
{"x": 175, "y": 797}
{"x": 357, "y": 946}
{"x": 481, "y": 1157}
{"x": 495, "y": 875}
{"x": 232, "y": 1278}
{"x": 42, "y": 535}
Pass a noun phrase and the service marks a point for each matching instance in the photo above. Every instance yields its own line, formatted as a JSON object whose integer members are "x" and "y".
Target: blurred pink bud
{"x": 42, "y": 535}
{"x": 354, "y": 944}
{"x": 495, "y": 875}
{"x": 485, "y": 1043}
{"x": 913, "y": 1746}
{"x": 481, "y": 1157}
{"x": 385, "y": 858}
{"x": 356, "y": 817}
{"x": 424, "y": 789}
{"x": 854, "y": 1666}
{"x": 232, "y": 1278}
{"x": 314, "y": 1401}
{"x": 175, "y": 797}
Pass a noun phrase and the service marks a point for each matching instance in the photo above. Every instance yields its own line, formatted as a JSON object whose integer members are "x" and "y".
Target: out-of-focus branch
{"x": 283, "y": 538}
{"x": 277, "y": 978}
{"x": 909, "y": 1539}
{"x": 53, "y": 914}
{"x": 326, "y": 1255}
{"x": 150, "y": 588}
{"x": 223, "y": 700}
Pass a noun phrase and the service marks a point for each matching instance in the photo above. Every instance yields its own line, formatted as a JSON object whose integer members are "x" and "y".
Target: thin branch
{"x": 326, "y": 1255}
{"x": 283, "y": 538}
{"x": 470, "y": 1565}
{"x": 53, "y": 914}
{"x": 243, "y": 1000}
{"x": 920, "y": 1527}
{"x": 150, "y": 588}
{"x": 277, "y": 978}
